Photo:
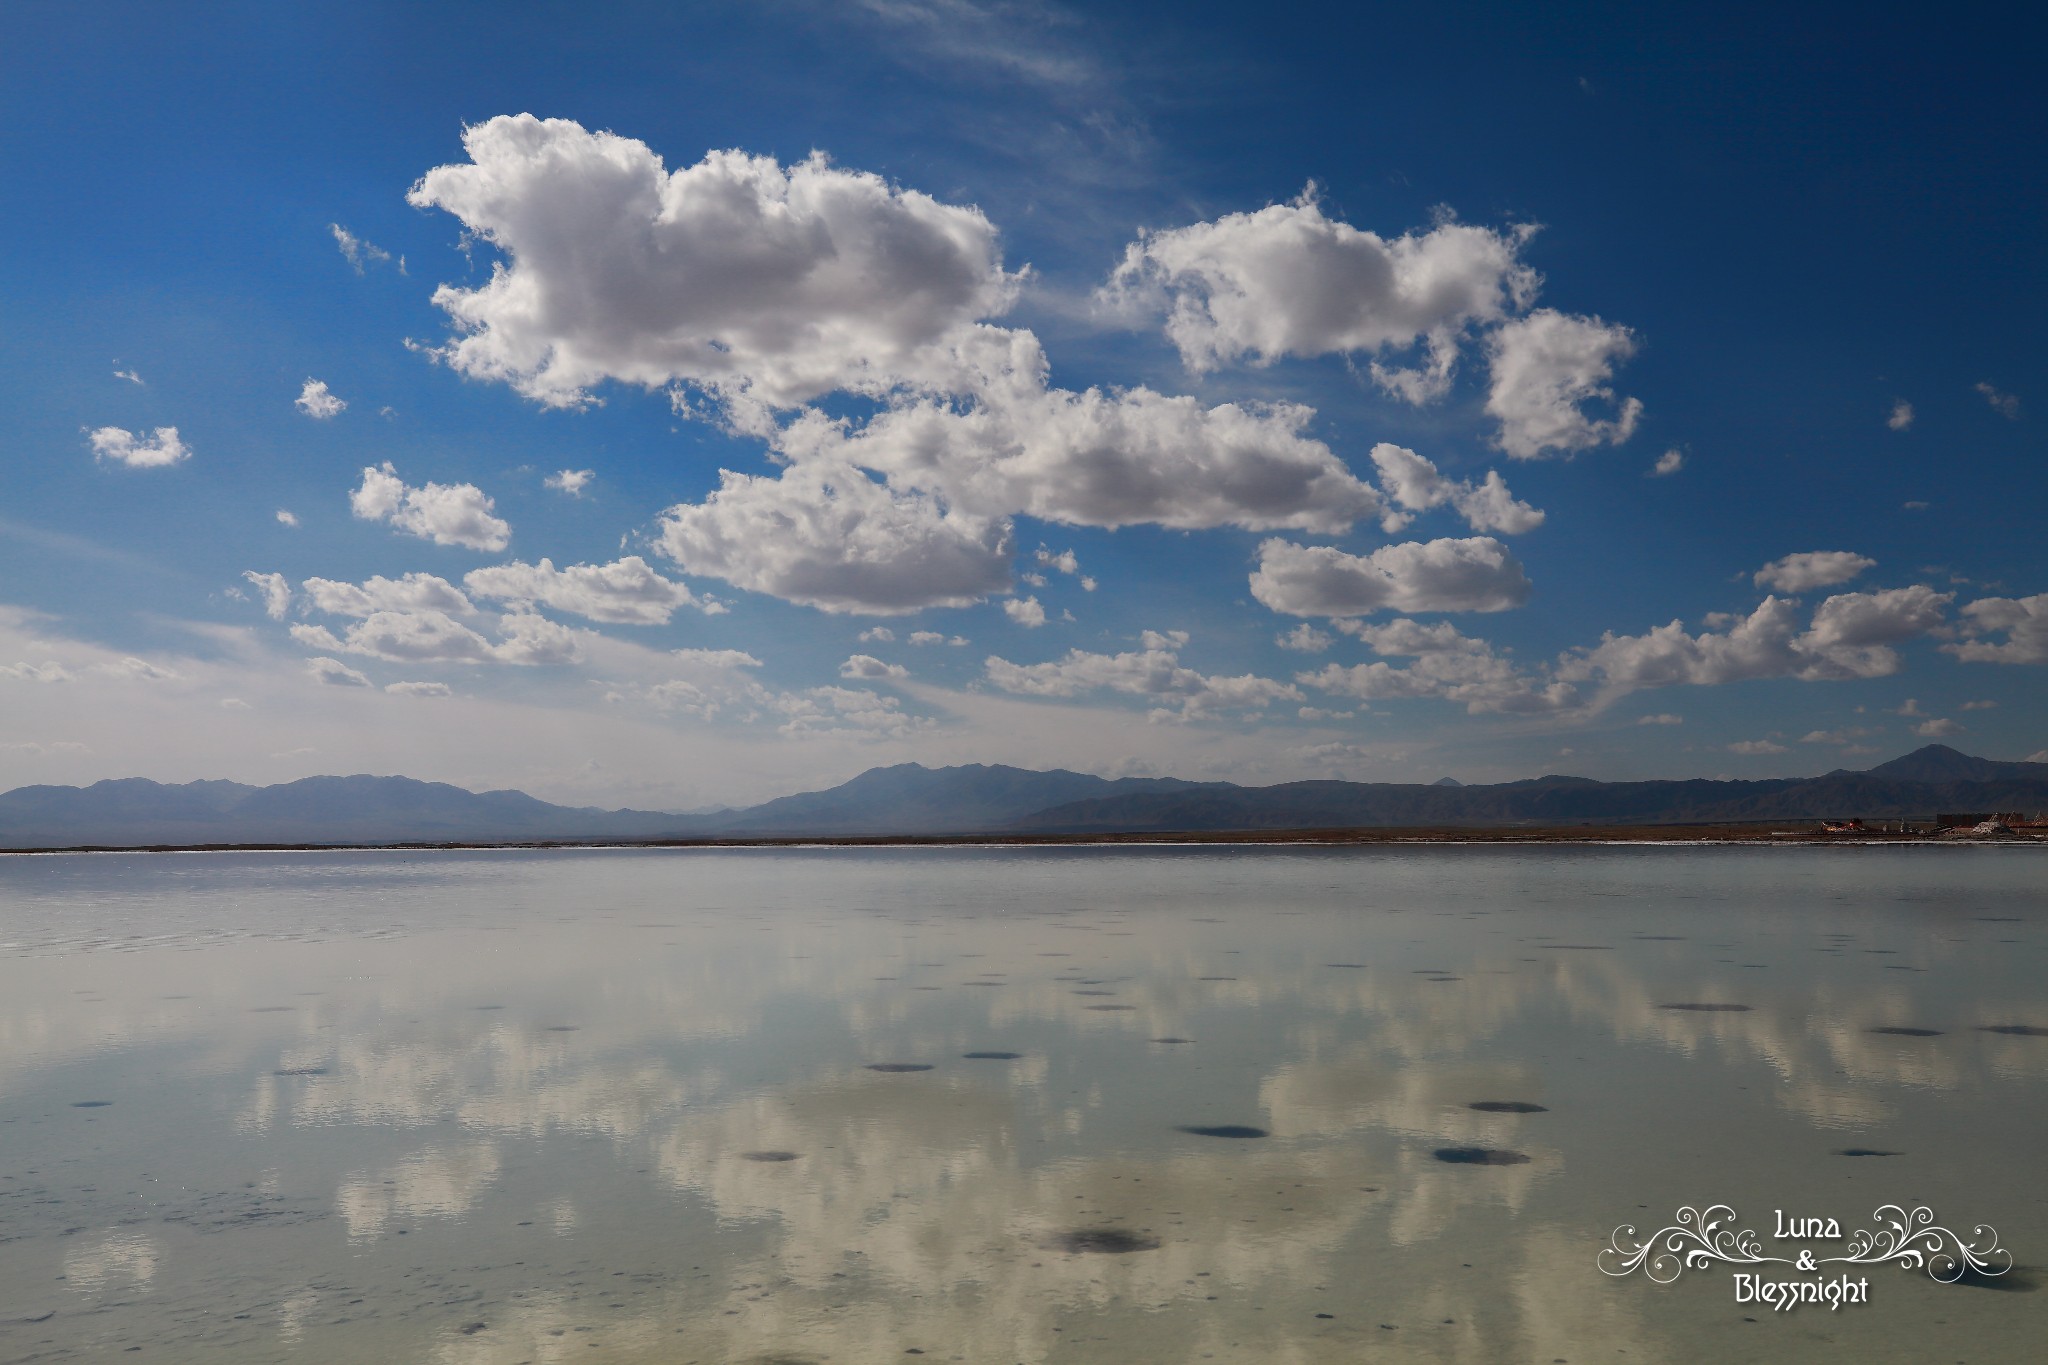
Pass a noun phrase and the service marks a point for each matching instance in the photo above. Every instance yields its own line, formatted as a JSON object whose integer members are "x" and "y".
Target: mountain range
{"x": 912, "y": 800}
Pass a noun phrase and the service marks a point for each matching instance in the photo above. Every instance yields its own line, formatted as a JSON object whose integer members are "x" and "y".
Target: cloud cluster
{"x": 1447, "y": 665}
{"x": 436, "y": 637}
{"x": 626, "y": 592}
{"x": 2023, "y": 621}
{"x": 447, "y": 514}
{"x": 1154, "y": 673}
{"x": 413, "y": 592}
{"x": 570, "y": 481}
{"x": 828, "y": 536}
{"x": 1413, "y": 484}
{"x": 1545, "y": 369}
{"x": 756, "y": 288}
{"x": 1476, "y": 574}
{"x": 736, "y": 274}
{"x": 1851, "y": 635}
{"x": 1290, "y": 281}
{"x": 158, "y": 450}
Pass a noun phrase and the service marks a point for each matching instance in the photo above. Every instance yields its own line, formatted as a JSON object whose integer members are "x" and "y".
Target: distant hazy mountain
{"x": 131, "y": 812}
{"x": 979, "y": 799}
{"x": 912, "y": 799}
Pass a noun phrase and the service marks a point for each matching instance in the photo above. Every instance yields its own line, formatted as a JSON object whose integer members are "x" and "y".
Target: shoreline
{"x": 1648, "y": 835}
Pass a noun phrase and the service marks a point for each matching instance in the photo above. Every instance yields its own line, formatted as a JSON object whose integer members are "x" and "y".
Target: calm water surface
{"x": 625, "y": 1106}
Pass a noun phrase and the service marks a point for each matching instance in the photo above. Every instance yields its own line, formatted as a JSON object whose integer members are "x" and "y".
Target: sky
{"x": 677, "y": 405}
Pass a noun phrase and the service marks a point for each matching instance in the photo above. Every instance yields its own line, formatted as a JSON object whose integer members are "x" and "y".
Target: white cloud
{"x": 570, "y": 481}
{"x": 880, "y": 635}
{"x": 355, "y": 249}
{"x": 447, "y": 514}
{"x": 830, "y": 537}
{"x": 1814, "y": 569}
{"x": 1901, "y": 416}
{"x": 1025, "y": 612}
{"x": 1154, "y": 673}
{"x": 277, "y": 592}
{"x": 2006, "y": 405}
{"x": 1100, "y": 459}
{"x": 1844, "y": 737}
{"x": 285, "y": 518}
{"x": 1304, "y": 639}
{"x": 934, "y": 637}
{"x": 1755, "y": 746}
{"x": 1850, "y": 637}
{"x": 435, "y": 637}
{"x": 1661, "y": 718}
{"x": 2022, "y": 620}
{"x": 736, "y": 274}
{"x": 1938, "y": 728}
{"x": 131, "y": 376}
{"x": 1413, "y": 483}
{"x": 1447, "y": 665}
{"x": 1065, "y": 561}
{"x": 156, "y": 451}
{"x": 1911, "y": 707}
{"x": 317, "y": 402}
{"x": 419, "y": 689}
{"x": 868, "y": 667}
{"x": 1545, "y": 367}
{"x": 234, "y": 704}
{"x": 1669, "y": 463}
{"x": 535, "y": 640}
{"x": 414, "y": 592}
{"x": 1287, "y": 280}
{"x": 335, "y": 673}
{"x": 1980, "y": 706}
{"x": 625, "y": 592}
{"x": 1438, "y": 575}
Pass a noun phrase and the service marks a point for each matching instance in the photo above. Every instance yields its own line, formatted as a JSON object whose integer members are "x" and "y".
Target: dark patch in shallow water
{"x": 1580, "y": 947}
{"x": 1480, "y": 1156}
{"x": 1222, "y": 1130}
{"x": 769, "y": 1156}
{"x": 894, "y": 1068}
{"x": 1707, "y": 1007}
{"x": 2015, "y": 1030}
{"x": 273, "y": 1009}
{"x": 1094, "y": 992}
{"x": 1660, "y": 938}
{"x": 1109, "y": 1007}
{"x": 561, "y": 1028}
{"x": 1103, "y": 1241}
{"x": 301, "y": 1071}
{"x": 2018, "y": 1280}
{"x": 1909, "y": 1032}
{"x": 90, "y": 1104}
{"x": 1215, "y": 978}
{"x": 1353, "y": 965}
{"x": 1506, "y": 1107}
{"x": 991, "y": 1056}
{"x": 1173, "y": 1040}
{"x": 1862, "y": 1151}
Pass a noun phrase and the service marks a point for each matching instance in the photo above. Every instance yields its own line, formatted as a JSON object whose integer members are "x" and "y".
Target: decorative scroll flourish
{"x": 1700, "y": 1238}
{"x": 1913, "y": 1240}
{"x": 1695, "y": 1241}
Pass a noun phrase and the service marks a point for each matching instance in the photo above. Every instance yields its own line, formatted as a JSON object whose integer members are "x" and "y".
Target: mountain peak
{"x": 1940, "y": 763}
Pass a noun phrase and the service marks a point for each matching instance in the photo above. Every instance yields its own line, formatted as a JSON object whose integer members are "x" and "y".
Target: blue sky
{"x": 1330, "y": 357}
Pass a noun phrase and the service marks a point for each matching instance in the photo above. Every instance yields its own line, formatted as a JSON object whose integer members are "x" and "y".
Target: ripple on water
{"x": 895, "y": 1068}
{"x": 1506, "y": 1107}
{"x": 1222, "y": 1130}
{"x": 769, "y": 1156}
{"x": 1908, "y": 1032}
{"x": 1706, "y": 1007}
{"x": 991, "y": 1056}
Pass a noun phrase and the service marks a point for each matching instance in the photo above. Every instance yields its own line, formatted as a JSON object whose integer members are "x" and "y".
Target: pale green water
{"x": 522, "y": 1089}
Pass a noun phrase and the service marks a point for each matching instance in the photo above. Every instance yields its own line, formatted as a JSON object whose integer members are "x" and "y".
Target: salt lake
{"x": 1004, "y": 1105}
